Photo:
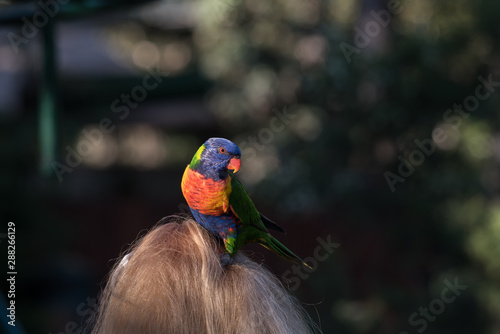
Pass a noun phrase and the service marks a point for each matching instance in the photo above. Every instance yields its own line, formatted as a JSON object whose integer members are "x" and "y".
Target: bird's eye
{"x": 222, "y": 150}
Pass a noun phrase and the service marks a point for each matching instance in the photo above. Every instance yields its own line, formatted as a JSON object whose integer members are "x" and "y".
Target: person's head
{"x": 172, "y": 281}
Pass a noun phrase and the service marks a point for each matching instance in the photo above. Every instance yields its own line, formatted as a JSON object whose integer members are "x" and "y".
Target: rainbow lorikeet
{"x": 220, "y": 203}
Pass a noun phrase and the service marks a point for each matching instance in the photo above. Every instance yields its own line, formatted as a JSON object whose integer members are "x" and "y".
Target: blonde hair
{"x": 173, "y": 282}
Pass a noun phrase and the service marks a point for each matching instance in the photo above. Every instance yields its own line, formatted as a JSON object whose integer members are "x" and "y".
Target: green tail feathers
{"x": 279, "y": 249}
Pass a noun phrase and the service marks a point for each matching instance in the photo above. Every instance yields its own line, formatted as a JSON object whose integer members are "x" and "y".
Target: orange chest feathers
{"x": 207, "y": 196}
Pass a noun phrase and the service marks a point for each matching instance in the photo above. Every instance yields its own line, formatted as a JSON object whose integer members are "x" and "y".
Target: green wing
{"x": 243, "y": 207}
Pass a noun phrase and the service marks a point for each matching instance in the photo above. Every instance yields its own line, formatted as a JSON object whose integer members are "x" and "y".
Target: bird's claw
{"x": 225, "y": 259}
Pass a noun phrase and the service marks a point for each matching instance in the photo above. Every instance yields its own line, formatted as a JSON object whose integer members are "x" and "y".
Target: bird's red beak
{"x": 234, "y": 164}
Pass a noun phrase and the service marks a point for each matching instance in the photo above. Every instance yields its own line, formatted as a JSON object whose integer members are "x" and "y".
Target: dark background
{"x": 227, "y": 68}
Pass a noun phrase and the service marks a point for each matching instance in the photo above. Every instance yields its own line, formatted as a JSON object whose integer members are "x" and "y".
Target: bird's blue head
{"x": 215, "y": 157}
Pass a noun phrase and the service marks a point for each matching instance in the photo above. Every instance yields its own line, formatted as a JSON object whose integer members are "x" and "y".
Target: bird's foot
{"x": 225, "y": 259}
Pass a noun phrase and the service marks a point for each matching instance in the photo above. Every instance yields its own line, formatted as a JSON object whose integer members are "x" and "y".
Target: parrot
{"x": 220, "y": 203}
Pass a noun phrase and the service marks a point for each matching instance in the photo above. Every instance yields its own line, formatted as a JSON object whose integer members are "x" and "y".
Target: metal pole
{"x": 47, "y": 102}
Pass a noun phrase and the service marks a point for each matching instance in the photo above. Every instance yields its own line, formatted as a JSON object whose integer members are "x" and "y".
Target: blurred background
{"x": 348, "y": 115}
